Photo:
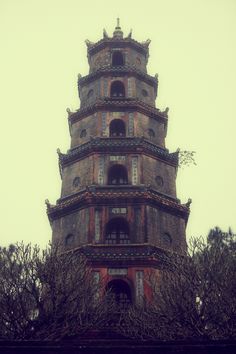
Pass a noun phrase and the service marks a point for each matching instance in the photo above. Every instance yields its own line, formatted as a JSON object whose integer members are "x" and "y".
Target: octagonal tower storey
{"x": 118, "y": 202}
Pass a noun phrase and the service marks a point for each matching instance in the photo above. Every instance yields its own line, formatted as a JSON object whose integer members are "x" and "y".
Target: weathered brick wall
{"x": 104, "y": 58}
{"x": 159, "y": 175}
{"x": 98, "y": 125}
{"x": 89, "y": 124}
{"x": 77, "y": 176}
{"x": 143, "y": 124}
{"x": 75, "y": 224}
{"x": 160, "y": 223}
{"x": 145, "y": 92}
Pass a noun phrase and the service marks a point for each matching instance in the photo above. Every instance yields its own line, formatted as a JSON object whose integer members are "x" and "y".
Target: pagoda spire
{"x": 118, "y": 32}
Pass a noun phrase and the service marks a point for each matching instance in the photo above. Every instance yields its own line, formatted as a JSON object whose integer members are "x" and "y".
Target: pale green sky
{"x": 193, "y": 50}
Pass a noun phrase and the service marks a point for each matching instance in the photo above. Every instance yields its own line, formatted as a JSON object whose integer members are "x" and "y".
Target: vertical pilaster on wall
{"x": 139, "y": 287}
{"x": 97, "y": 226}
{"x": 98, "y": 84}
{"x": 104, "y": 124}
{"x": 126, "y": 58}
{"x": 101, "y": 170}
{"x": 135, "y": 170}
{"x": 105, "y": 87}
{"x": 131, "y": 124}
{"x": 130, "y": 87}
{"x": 138, "y": 229}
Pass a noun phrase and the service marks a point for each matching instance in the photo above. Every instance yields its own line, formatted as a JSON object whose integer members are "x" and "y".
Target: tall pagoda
{"x": 118, "y": 203}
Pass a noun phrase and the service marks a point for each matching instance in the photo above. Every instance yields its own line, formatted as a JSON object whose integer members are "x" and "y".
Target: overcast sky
{"x": 193, "y": 50}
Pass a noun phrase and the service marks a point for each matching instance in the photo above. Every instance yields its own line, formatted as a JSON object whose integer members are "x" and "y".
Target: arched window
{"x": 117, "y": 127}
{"x": 120, "y": 293}
{"x": 117, "y": 232}
{"x": 117, "y": 58}
{"x": 117, "y": 175}
{"x": 117, "y": 89}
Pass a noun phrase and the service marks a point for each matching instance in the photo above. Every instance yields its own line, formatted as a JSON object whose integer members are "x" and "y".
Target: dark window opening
{"x": 83, "y": 133}
{"x": 117, "y": 59}
{"x": 144, "y": 93}
{"x": 117, "y": 232}
{"x": 117, "y": 89}
{"x": 120, "y": 293}
{"x": 159, "y": 181}
{"x": 90, "y": 94}
{"x": 117, "y": 175}
{"x": 151, "y": 133}
{"x": 166, "y": 240}
{"x": 76, "y": 181}
{"x": 69, "y": 240}
{"x": 117, "y": 128}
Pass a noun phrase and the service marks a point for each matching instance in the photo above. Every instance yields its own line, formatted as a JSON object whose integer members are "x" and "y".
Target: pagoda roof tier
{"x": 133, "y": 254}
{"x": 118, "y": 146}
{"x": 115, "y": 42}
{"x": 117, "y": 71}
{"x": 109, "y": 195}
{"x": 119, "y": 104}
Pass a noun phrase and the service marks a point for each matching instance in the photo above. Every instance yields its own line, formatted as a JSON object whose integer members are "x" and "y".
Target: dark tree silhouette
{"x": 195, "y": 297}
{"x": 48, "y": 295}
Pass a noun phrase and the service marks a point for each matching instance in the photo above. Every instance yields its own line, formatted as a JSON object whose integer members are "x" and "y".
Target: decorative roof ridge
{"x": 133, "y": 103}
{"x": 92, "y": 196}
{"x": 146, "y": 245}
{"x": 94, "y": 47}
{"x": 125, "y": 145}
{"x": 95, "y": 188}
{"x": 121, "y": 251}
{"x": 112, "y": 69}
{"x": 115, "y": 139}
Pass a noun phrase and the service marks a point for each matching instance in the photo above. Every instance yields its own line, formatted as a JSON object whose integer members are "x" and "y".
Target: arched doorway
{"x": 117, "y": 128}
{"x": 120, "y": 293}
{"x": 117, "y": 174}
{"x": 117, "y": 89}
{"x": 117, "y": 232}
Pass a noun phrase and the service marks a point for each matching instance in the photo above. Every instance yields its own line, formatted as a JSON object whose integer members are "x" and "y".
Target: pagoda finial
{"x": 118, "y": 33}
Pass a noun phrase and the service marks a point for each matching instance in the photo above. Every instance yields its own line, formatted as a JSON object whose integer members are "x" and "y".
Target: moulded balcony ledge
{"x": 117, "y": 187}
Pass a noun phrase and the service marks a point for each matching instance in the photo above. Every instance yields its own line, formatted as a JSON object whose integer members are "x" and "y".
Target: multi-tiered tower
{"x": 118, "y": 202}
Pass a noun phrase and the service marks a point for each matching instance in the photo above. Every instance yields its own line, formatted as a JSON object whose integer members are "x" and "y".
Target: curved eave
{"x": 127, "y": 104}
{"x": 117, "y": 71}
{"x": 107, "y": 195}
{"x": 143, "y": 254}
{"x": 117, "y": 43}
{"x": 118, "y": 145}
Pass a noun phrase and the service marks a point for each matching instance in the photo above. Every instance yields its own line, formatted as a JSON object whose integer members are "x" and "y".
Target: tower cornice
{"x": 130, "y": 70}
{"x": 127, "y": 104}
{"x": 133, "y": 254}
{"x": 108, "y": 195}
{"x": 93, "y": 48}
{"x": 118, "y": 145}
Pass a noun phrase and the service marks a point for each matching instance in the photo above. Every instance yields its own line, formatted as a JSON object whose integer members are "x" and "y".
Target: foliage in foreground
{"x": 196, "y": 299}
{"x": 48, "y": 295}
